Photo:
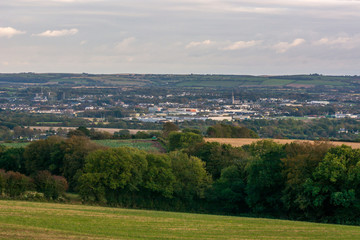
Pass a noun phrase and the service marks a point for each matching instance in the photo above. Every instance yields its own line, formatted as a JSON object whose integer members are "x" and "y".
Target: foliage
{"x": 325, "y": 128}
{"x": 218, "y": 156}
{"x": 229, "y": 190}
{"x": 73, "y": 152}
{"x": 169, "y": 127}
{"x": 333, "y": 189}
{"x": 179, "y": 140}
{"x": 124, "y": 175}
{"x": 122, "y": 134}
{"x": 12, "y": 159}
{"x": 3, "y": 179}
{"x": 159, "y": 177}
{"x": 44, "y": 155}
{"x": 108, "y": 172}
{"x": 192, "y": 180}
{"x": 228, "y": 131}
{"x": 17, "y": 183}
{"x": 265, "y": 182}
{"x": 97, "y": 135}
{"x": 301, "y": 161}
{"x": 52, "y": 186}
{"x": 303, "y": 181}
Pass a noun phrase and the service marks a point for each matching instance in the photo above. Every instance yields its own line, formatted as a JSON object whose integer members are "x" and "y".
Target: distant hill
{"x": 177, "y": 80}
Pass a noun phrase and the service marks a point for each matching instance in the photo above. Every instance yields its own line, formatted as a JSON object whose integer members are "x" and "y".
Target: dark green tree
{"x": 333, "y": 189}
{"x": 228, "y": 192}
{"x": 44, "y": 155}
{"x": 265, "y": 181}
{"x": 179, "y": 140}
{"x": 12, "y": 159}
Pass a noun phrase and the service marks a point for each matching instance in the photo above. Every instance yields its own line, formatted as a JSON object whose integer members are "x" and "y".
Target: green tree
{"x": 218, "y": 156}
{"x": 17, "y": 184}
{"x": 179, "y": 140}
{"x": 80, "y": 131}
{"x": 169, "y": 127}
{"x": 265, "y": 181}
{"x": 12, "y": 159}
{"x": 333, "y": 189}
{"x": 122, "y": 134}
{"x": 228, "y": 192}
{"x": 74, "y": 151}
{"x": 44, "y": 155}
{"x": 302, "y": 158}
{"x": 3, "y": 179}
{"x": 192, "y": 180}
{"x": 110, "y": 174}
{"x": 159, "y": 177}
{"x": 52, "y": 186}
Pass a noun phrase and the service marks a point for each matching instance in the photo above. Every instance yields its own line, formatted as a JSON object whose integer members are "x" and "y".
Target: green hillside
{"x": 176, "y": 80}
{"x": 29, "y": 220}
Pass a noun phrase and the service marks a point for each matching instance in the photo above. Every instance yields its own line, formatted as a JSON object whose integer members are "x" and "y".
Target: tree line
{"x": 302, "y": 181}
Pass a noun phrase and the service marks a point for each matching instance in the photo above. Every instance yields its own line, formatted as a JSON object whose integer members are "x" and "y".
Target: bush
{"x": 17, "y": 184}
{"x": 2, "y": 182}
{"x": 51, "y": 186}
{"x": 122, "y": 134}
{"x": 142, "y": 135}
{"x": 178, "y": 140}
{"x": 33, "y": 196}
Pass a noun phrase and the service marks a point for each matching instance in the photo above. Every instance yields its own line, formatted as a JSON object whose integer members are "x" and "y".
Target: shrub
{"x": 17, "y": 184}
{"x": 51, "y": 186}
{"x": 2, "y": 182}
{"x": 33, "y": 196}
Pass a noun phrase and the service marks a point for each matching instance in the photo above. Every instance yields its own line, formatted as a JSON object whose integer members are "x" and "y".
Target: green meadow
{"x": 31, "y": 220}
{"x": 15, "y": 144}
{"x": 146, "y": 145}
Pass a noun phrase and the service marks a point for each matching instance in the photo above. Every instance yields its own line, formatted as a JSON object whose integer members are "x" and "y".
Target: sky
{"x": 257, "y": 37}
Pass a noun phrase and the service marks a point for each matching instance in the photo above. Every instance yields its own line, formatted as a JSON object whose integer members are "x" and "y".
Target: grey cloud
{"x": 164, "y": 36}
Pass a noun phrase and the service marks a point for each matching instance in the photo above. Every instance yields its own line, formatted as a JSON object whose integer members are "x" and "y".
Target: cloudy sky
{"x": 185, "y": 36}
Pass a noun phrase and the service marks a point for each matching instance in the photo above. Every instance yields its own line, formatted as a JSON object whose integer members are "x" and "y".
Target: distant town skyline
{"x": 199, "y": 36}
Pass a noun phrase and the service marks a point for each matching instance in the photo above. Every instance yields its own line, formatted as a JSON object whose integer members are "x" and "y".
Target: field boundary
{"x": 109, "y": 130}
{"x": 239, "y": 142}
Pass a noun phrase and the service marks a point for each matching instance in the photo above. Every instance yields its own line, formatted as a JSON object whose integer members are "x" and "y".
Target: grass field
{"x": 29, "y": 220}
{"x": 146, "y": 145}
{"x": 109, "y": 130}
{"x": 238, "y": 142}
{"x": 15, "y": 144}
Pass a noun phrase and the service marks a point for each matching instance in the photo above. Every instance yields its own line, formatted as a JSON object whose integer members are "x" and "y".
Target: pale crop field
{"x": 31, "y": 220}
{"x": 238, "y": 142}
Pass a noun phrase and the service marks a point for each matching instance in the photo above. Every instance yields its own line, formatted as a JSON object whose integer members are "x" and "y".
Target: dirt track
{"x": 238, "y": 142}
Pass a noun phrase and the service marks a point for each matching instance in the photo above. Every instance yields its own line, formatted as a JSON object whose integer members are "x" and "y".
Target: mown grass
{"x": 15, "y": 144}
{"x": 146, "y": 145}
{"x": 29, "y": 220}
